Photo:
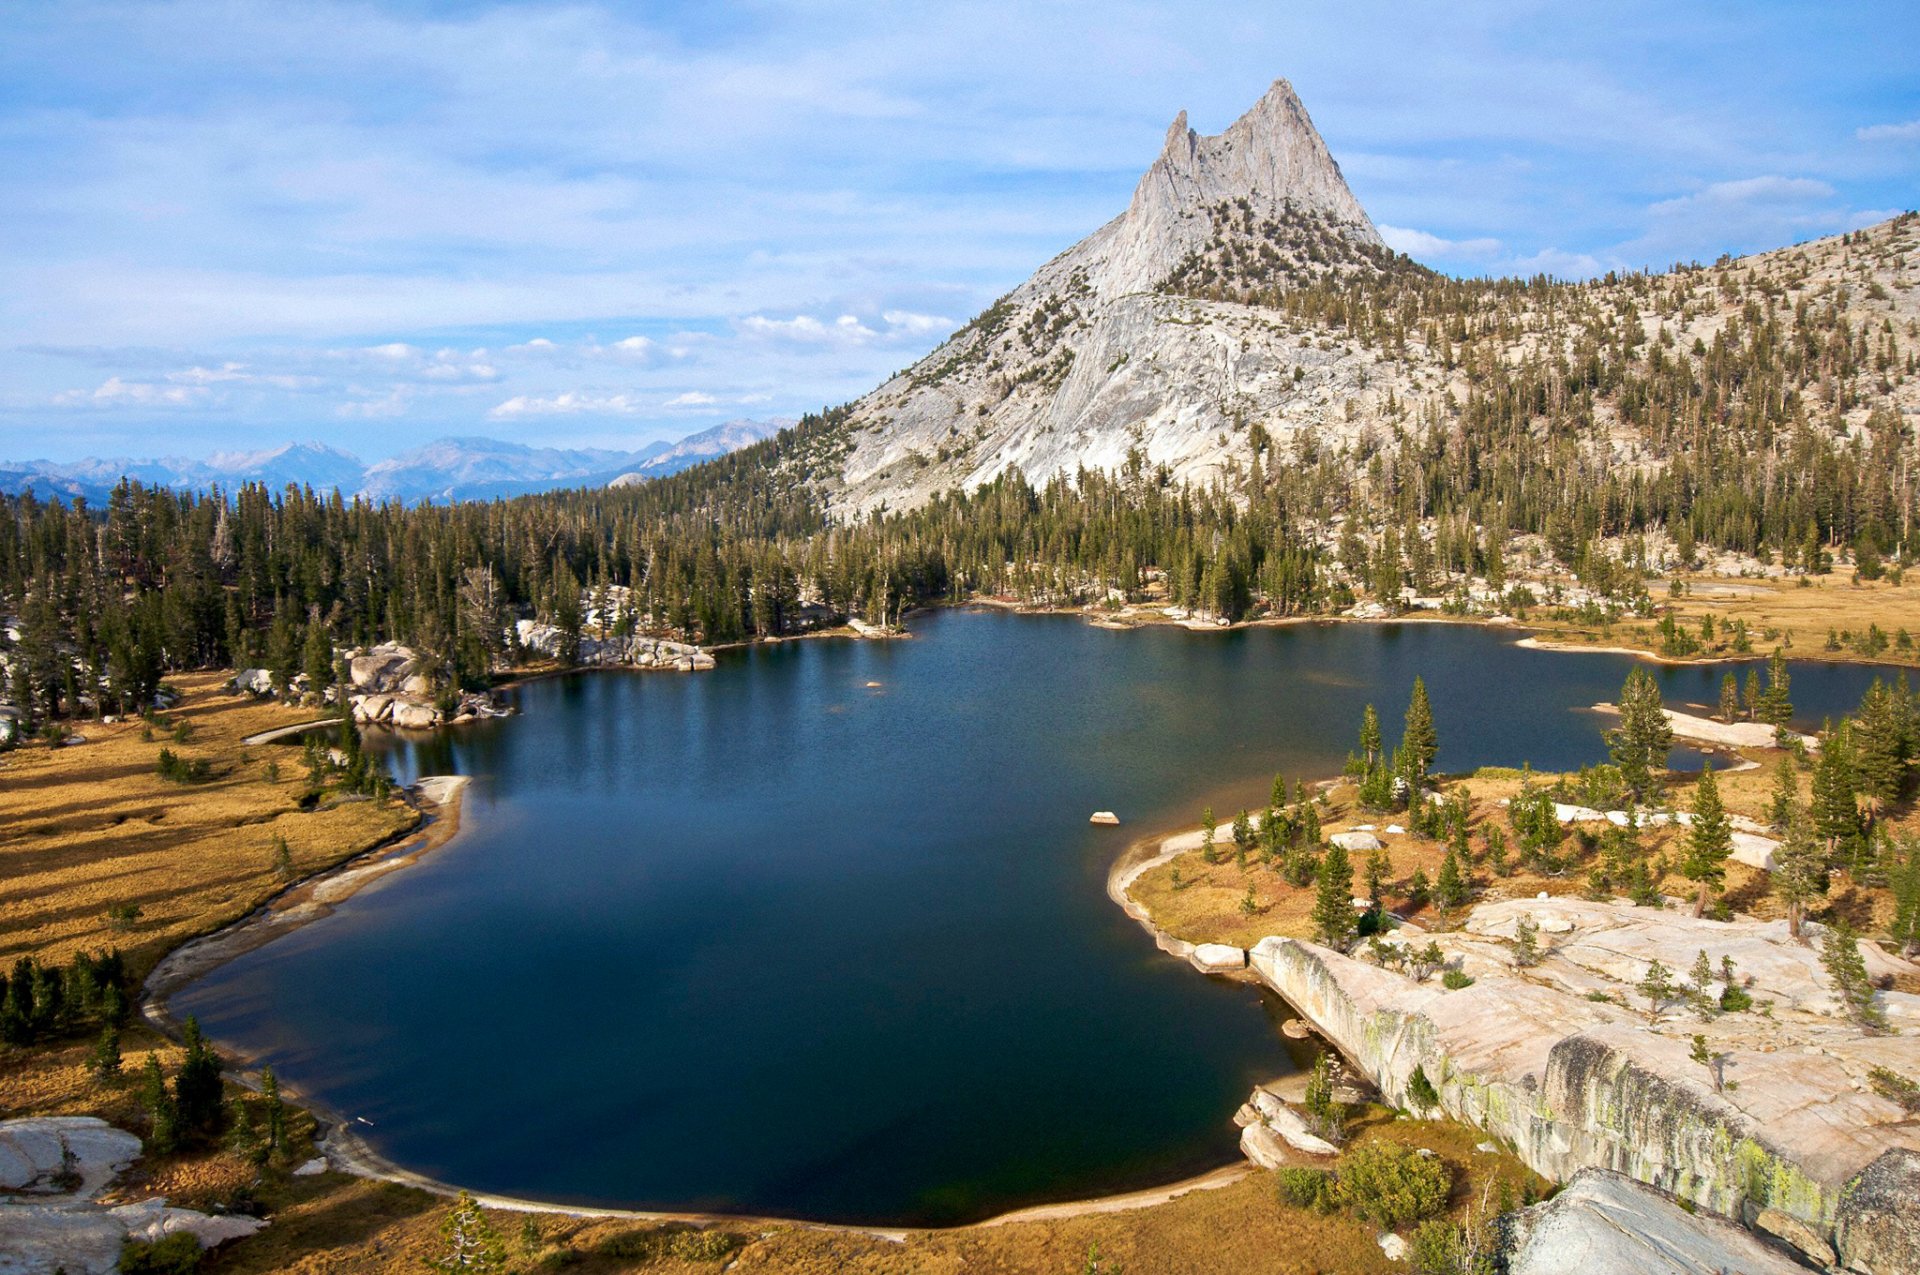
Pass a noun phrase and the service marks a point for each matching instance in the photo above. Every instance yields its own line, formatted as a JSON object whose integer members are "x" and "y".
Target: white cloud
{"x": 1418, "y": 243}
{"x": 1556, "y": 262}
{"x": 114, "y": 392}
{"x": 847, "y": 330}
{"x": 1745, "y": 192}
{"x": 692, "y": 398}
{"x": 569, "y": 403}
{"x": 1907, "y": 132}
{"x": 910, "y": 324}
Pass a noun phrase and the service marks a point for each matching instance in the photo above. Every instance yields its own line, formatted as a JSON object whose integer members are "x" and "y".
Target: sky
{"x": 229, "y": 225}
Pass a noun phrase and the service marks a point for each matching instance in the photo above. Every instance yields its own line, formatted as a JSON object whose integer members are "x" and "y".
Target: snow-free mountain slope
{"x": 1102, "y": 352}
{"x": 1244, "y": 306}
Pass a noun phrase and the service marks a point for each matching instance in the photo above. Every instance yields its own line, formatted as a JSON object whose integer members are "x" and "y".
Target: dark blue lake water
{"x": 823, "y": 933}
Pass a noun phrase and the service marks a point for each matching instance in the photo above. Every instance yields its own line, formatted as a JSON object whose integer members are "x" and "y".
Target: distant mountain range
{"x": 444, "y": 470}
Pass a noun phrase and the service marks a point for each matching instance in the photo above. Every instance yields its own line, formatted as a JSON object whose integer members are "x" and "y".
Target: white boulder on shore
{"x": 1218, "y": 958}
{"x": 58, "y": 1165}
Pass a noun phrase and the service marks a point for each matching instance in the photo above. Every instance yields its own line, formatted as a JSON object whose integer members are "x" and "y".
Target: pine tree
{"x": 1640, "y": 744}
{"x": 1836, "y": 815}
{"x": 1840, "y": 953}
{"x": 105, "y": 1058}
{"x": 1786, "y": 794}
{"x": 1242, "y": 832}
{"x": 1878, "y": 747}
{"x": 1420, "y": 743}
{"x": 1333, "y": 921}
{"x": 1729, "y": 698}
{"x": 163, "y": 1117}
{"x": 1799, "y": 872}
{"x": 1450, "y": 890}
{"x": 1207, "y": 830}
{"x": 196, "y": 1087}
{"x": 1709, "y": 840}
{"x": 1903, "y": 880}
{"x": 1370, "y": 737}
{"x": 1657, "y": 986}
{"x": 1775, "y": 707}
{"x": 276, "y": 1111}
{"x": 472, "y": 1245}
{"x": 1750, "y": 698}
{"x": 1379, "y": 867}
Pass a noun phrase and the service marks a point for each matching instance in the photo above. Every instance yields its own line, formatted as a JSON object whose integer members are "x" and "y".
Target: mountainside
{"x": 1244, "y": 300}
{"x": 1100, "y": 353}
{"x": 445, "y": 469}
{"x": 704, "y": 446}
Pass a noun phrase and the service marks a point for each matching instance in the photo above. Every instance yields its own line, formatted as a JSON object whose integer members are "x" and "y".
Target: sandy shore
{"x": 305, "y": 901}
{"x": 1548, "y": 644}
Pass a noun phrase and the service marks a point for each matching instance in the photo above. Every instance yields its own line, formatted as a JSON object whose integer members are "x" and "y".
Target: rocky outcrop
{"x": 63, "y": 1155}
{"x": 1603, "y": 1222}
{"x": 58, "y": 1165}
{"x": 393, "y": 685}
{"x": 1108, "y": 348}
{"x": 1878, "y": 1229}
{"x": 1273, "y": 1133}
{"x": 632, "y": 651}
{"x": 1552, "y": 1061}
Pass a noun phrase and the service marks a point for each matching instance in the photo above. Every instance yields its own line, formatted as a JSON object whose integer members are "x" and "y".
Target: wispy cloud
{"x": 1418, "y": 243}
{"x": 115, "y": 393}
{"x": 1907, "y": 132}
{"x": 412, "y": 216}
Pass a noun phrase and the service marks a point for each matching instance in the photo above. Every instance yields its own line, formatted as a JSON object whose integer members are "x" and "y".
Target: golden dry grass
{"x": 331, "y": 1224}
{"x": 92, "y": 826}
{"x": 1776, "y": 612}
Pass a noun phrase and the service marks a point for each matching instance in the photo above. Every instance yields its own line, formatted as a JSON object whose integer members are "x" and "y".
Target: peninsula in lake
{"x": 1252, "y": 753}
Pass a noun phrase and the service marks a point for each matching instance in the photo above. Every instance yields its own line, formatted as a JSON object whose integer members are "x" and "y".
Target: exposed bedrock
{"x": 1780, "y": 1130}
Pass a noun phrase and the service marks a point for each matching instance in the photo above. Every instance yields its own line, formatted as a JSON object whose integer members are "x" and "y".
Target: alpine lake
{"x": 824, "y": 933}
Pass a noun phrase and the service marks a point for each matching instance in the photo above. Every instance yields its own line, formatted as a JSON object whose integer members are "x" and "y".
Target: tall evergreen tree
{"x": 1333, "y": 921}
{"x": 1709, "y": 840}
{"x": 1640, "y": 744}
{"x": 1420, "y": 743}
{"x": 1799, "y": 873}
{"x": 1370, "y": 744}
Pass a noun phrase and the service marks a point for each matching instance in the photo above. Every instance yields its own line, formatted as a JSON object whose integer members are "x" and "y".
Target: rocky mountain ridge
{"x": 463, "y": 468}
{"x": 1244, "y": 300}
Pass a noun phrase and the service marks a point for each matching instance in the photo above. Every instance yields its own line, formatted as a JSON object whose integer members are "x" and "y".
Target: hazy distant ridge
{"x": 443, "y": 470}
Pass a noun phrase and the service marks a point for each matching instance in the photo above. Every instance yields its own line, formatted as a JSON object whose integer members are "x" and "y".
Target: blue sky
{"x": 228, "y": 225}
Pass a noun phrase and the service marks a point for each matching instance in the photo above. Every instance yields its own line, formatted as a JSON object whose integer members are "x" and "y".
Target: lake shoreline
{"x": 311, "y": 898}
{"x": 303, "y": 901}
{"x": 346, "y": 1150}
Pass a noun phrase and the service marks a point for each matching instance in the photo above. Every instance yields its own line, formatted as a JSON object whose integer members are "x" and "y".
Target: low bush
{"x": 175, "y": 1254}
{"x": 1454, "y": 980}
{"x": 1392, "y": 1185}
{"x": 1306, "y": 1188}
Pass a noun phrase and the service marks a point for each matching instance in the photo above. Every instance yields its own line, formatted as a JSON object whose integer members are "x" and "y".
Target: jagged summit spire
{"x": 1272, "y": 158}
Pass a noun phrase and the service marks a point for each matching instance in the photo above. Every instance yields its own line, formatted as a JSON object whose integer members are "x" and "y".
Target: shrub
{"x": 1420, "y": 1090}
{"x": 175, "y": 1254}
{"x": 1446, "y": 1247}
{"x": 1896, "y": 1088}
{"x": 1454, "y": 980}
{"x": 1391, "y": 1184}
{"x": 1306, "y": 1188}
{"x": 702, "y": 1246}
